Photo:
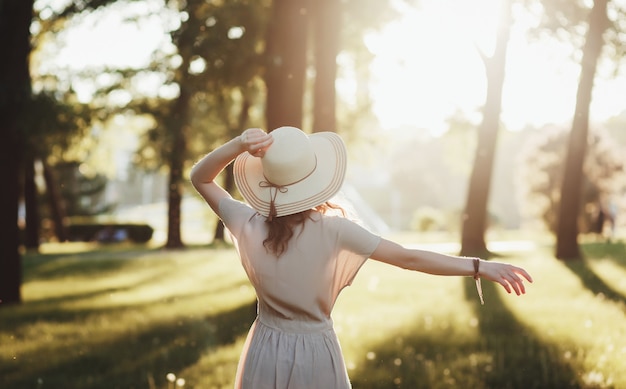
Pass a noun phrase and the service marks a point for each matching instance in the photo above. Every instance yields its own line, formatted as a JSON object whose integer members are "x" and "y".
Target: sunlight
{"x": 426, "y": 68}
{"x": 102, "y": 38}
{"x": 426, "y": 65}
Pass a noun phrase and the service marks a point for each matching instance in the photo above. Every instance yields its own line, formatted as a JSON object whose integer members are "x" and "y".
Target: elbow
{"x": 194, "y": 177}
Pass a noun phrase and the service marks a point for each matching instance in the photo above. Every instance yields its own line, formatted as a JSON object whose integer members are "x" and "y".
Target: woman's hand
{"x": 509, "y": 276}
{"x": 256, "y": 141}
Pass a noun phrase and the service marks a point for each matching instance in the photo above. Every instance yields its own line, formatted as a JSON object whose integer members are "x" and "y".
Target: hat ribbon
{"x": 282, "y": 189}
{"x": 277, "y": 188}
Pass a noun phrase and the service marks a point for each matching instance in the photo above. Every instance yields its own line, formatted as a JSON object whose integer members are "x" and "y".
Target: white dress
{"x": 292, "y": 343}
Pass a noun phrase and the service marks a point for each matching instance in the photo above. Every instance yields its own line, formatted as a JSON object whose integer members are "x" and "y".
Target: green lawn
{"x": 126, "y": 317}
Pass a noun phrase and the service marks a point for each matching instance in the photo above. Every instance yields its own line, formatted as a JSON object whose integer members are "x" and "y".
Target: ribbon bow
{"x": 277, "y": 188}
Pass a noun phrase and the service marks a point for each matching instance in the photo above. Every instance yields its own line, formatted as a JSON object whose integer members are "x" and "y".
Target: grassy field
{"x": 126, "y": 317}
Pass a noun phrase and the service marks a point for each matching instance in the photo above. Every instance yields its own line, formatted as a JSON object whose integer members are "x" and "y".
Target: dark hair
{"x": 281, "y": 229}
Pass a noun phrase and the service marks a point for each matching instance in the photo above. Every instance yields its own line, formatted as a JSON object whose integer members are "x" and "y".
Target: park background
{"x": 115, "y": 82}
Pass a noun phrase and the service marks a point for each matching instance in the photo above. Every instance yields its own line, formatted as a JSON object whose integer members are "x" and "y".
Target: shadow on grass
{"x": 504, "y": 354}
{"x": 62, "y": 341}
{"x": 589, "y": 278}
{"x": 50, "y": 266}
{"x": 53, "y": 309}
{"x": 520, "y": 359}
{"x": 131, "y": 360}
{"x": 614, "y": 251}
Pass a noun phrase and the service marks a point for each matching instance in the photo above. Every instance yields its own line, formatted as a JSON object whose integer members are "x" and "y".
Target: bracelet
{"x": 479, "y": 287}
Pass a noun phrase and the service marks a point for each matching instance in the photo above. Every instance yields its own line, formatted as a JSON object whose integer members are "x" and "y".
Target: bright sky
{"x": 426, "y": 64}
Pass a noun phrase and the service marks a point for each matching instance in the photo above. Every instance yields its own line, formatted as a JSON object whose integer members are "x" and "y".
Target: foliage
{"x": 541, "y": 175}
{"x": 102, "y": 317}
{"x": 566, "y": 20}
{"x": 225, "y": 58}
{"x": 227, "y": 44}
{"x": 428, "y": 219}
{"x": 52, "y": 122}
{"x": 83, "y": 193}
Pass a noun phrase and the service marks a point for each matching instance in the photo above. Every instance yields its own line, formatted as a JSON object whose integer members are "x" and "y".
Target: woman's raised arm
{"x": 203, "y": 174}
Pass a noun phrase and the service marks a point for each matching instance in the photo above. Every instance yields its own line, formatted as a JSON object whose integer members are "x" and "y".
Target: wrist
{"x": 239, "y": 142}
{"x": 476, "y": 262}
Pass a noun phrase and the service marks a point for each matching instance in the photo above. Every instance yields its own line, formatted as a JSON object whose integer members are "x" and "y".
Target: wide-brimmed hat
{"x": 297, "y": 172}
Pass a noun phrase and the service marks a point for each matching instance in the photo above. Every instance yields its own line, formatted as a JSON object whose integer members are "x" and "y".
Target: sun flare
{"x": 427, "y": 67}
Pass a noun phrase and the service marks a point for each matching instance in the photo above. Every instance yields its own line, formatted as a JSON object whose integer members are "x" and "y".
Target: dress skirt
{"x": 281, "y": 354}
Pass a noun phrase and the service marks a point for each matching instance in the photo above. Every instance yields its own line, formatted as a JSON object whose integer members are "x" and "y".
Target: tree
{"x": 56, "y": 121}
{"x": 309, "y": 35}
{"x": 31, "y": 206}
{"x": 15, "y": 18}
{"x": 217, "y": 44}
{"x": 567, "y": 227}
{"x": 286, "y": 59}
{"x": 326, "y": 27}
{"x": 227, "y": 48}
{"x": 541, "y": 176}
{"x": 15, "y": 93}
{"x": 474, "y": 221}
{"x": 177, "y": 128}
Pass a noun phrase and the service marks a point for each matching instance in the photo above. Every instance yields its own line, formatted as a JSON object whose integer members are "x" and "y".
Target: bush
{"x": 110, "y": 232}
{"x": 428, "y": 219}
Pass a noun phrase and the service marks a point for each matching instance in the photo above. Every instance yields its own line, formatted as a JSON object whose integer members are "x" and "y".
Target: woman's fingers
{"x": 510, "y": 277}
{"x": 259, "y": 147}
{"x": 505, "y": 285}
{"x": 256, "y": 141}
{"x": 515, "y": 282}
{"x": 525, "y": 274}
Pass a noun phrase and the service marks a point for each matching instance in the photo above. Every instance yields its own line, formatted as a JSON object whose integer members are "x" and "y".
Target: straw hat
{"x": 297, "y": 172}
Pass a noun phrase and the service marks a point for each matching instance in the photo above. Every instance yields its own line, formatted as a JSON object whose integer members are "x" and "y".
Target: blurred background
{"x": 114, "y": 83}
{"x": 492, "y": 128}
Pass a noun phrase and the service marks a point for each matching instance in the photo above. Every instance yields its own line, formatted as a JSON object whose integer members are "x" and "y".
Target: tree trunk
{"x": 569, "y": 207}
{"x": 33, "y": 219}
{"x": 327, "y": 15}
{"x": 56, "y": 204}
{"x": 476, "y": 210}
{"x": 286, "y": 63}
{"x": 15, "y": 19}
{"x": 11, "y": 266}
{"x": 177, "y": 157}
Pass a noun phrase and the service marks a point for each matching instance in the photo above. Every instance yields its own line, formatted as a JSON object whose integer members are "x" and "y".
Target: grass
{"x": 126, "y": 317}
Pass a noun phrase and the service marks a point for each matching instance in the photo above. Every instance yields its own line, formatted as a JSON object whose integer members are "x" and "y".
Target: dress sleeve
{"x": 234, "y": 214}
{"x": 356, "y": 244}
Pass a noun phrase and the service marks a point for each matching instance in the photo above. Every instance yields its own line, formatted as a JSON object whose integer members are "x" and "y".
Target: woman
{"x": 299, "y": 257}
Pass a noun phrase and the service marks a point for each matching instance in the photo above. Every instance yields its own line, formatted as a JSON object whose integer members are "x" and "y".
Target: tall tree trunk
{"x": 569, "y": 206}
{"x": 55, "y": 204}
{"x": 15, "y": 19}
{"x": 476, "y": 210}
{"x": 286, "y": 63}
{"x": 326, "y": 22}
{"x": 33, "y": 219}
{"x": 177, "y": 128}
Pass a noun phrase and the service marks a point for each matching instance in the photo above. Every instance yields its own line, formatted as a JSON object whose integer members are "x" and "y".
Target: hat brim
{"x": 317, "y": 188}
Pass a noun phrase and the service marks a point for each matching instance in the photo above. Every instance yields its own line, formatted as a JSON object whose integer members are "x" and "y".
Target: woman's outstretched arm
{"x": 203, "y": 174}
{"x": 509, "y": 276}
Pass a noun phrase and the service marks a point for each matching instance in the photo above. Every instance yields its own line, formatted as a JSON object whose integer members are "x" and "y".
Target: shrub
{"x": 110, "y": 232}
